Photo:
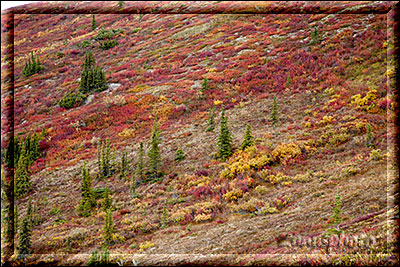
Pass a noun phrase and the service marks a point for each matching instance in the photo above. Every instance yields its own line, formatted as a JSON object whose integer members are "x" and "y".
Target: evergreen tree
{"x": 105, "y": 159}
{"x": 336, "y": 218}
{"x": 24, "y": 240}
{"x": 224, "y": 139}
{"x": 92, "y": 77}
{"x": 32, "y": 66}
{"x": 99, "y": 259}
{"x": 35, "y": 147}
{"x": 154, "y": 151}
{"x": 204, "y": 85}
{"x": 10, "y": 154}
{"x": 248, "y": 138}
{"x": 93, "y": 23}
{"x": 211, "y": 119}
{"x": 140, "y": 177}
{"x": 179, "y": 155}
{"x": 108, "y": 229}
{"x": 107, "y": 201}
{"x": 288, "y": 80}
{"x": 124, "y": 166}
{"x": 274, "y": 113}
{"x": 22, "y": 175}
{"x": 121, "y": 4}
{"x": 16, "y": 218}
{"x": 87, "y": 201}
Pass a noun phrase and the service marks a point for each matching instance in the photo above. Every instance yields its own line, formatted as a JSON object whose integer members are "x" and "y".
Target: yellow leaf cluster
{"x": 202, "y": 217}
{"x": 233, "y": 195}
{"x": 286, "y": 151}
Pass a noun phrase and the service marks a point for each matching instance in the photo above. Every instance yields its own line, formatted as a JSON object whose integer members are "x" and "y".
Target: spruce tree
{"x": 204, "y": 85}
{"x": 124, "y": 166}
{"x": 274, "y": 112}
{"x": 10, "y": 154}
{"x": 179, "y": 155}
{"x": 93, "y": 23}
{"x": 87, "y": 201}
{"x": 35, "y": 147}
{"x": 248, "y": 138}
{"x": 107, "y": 201}
{"x": 99, "y": 259}
{"x": 108, "y": 229}
{"x": 140, "y": 177}
{"x": 224, "y": 139}
{"x": 24, "y": 240}
{"x": 211, "y": 119}
{"x": 22, "y": 175}
{"x": 104, "y": 154}
{"x": 154, "y": 151}
{"x": 336, "y": 218}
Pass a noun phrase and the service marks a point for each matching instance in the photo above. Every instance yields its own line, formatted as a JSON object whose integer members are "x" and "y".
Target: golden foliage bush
{"x": 286, "y": 151}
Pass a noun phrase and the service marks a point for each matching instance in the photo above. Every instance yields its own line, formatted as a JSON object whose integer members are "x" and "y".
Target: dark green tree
{"x": 140, "y": 176}
{"x": 154, "y": 152}
{"x": 22, "y": 175}
{"x": 104, "y": 159}
{"x": 10, "y": 154}
{"x": 24, "y": 240}
{"x": 124, "y": 166}
{"x": 204, "y": 85}
{"x": 315, "y": 39}
{"x": 248, "y": 138}
{"x": 179, "y": 155}
{"x": 274, "y": 112}
{"x": 211, "y": 119}
{"x": 32, "y": 66}
{"x": 107, "y": 201}
{"x": 92, "y": 77}
{"x": 224, "y": 139}
{"x": 87, "y": 201}
{"x": 93, "y": 23}
{"x": 108, "y": 229}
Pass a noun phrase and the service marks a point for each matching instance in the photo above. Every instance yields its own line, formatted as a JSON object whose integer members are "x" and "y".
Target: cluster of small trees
{"x": 21, "y": 156}
{"x": 32, "y": 66}
{"x": 93, "y": 79}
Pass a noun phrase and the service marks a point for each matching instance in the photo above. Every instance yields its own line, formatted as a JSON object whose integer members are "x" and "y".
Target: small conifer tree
{"x": 93, "y": 23}
{"x": 336, "y": 217}
{"x": 124, "y": 166}
{"x": 288, "y": 80}
{"x": 224, "y": 139}
{"x": 211, "y": 119}
{"x": 22, "y": 175}
{"x": 104, "y": 159}
{"x": 140, "y": 177}
{"x": 274, "y": 112}
{"x": 154, "y": 151}
{"x": 107, "y": 201}
{"x": 87, "y": 201}
{"x": 24, "y": 240}
{"x": 9, "y": 154}
{"x": 179, "y": 155}
{"x": 204, "y": 85}
{"x": 108, "y": 229}
{"x": 248, "y": 138}
{"x": 99, "y": 259}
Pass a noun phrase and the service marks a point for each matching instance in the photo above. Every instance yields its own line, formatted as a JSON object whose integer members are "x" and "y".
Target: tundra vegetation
{"x": 142, "y": 135}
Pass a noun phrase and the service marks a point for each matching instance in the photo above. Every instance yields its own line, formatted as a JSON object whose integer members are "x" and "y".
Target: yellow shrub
{"x": 287, "y": 151}
{"x": 233, "y": 195}
{"x": 202, "y": 217}
{"x": 261, "y": 189}
{"x": 127, "y": 133}
{"x": 145, "y": 245}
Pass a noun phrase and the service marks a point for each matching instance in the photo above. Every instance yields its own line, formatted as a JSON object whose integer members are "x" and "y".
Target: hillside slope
{"x": 332, "y": 136}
